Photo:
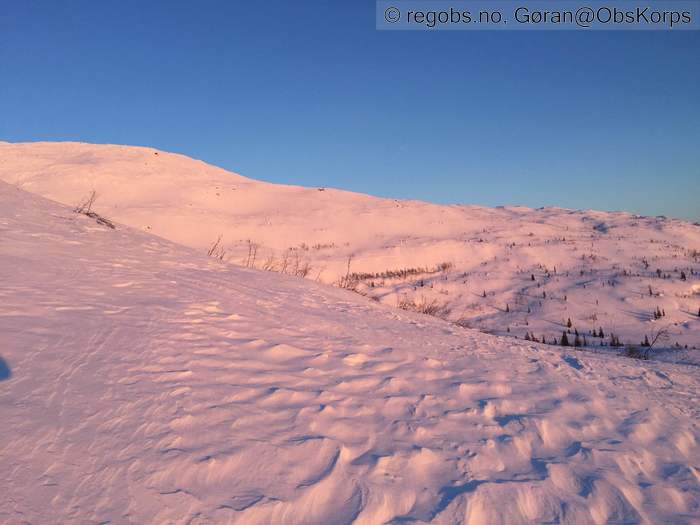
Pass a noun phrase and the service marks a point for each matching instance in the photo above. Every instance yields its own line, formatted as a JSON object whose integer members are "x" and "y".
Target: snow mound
{"x": 145, "y": 383}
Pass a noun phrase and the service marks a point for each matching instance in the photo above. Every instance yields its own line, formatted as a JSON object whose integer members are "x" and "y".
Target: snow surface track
{"x": 146, "y": 383}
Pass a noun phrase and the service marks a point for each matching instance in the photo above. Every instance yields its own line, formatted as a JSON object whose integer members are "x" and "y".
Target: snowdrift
{"x": 143, "y": 382}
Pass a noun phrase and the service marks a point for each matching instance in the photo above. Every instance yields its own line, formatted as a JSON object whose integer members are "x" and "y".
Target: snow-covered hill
{"x": 143, "y": 382}
{"x": 509, "y": 271}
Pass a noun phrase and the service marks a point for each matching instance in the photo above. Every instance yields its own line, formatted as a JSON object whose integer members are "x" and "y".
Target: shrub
{"x": 425, "y": 306}
{"x": 635, "y": 353}
{"x": 85, "y": 208}
{"x": 216, "y": 250}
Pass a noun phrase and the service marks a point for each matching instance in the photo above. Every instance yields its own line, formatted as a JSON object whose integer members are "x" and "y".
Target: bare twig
{"x": 85, "y": 208}
{"x": 217, "y": 250}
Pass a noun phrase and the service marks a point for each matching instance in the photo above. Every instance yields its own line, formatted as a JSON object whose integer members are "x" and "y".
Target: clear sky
{"x": 309, "y": 92}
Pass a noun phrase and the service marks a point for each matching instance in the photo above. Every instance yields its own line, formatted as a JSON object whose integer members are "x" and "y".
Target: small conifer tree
{"x": 564, "y": 340}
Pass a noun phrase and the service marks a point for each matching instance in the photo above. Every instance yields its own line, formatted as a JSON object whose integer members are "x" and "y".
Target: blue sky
{"x": 311, "y": 93}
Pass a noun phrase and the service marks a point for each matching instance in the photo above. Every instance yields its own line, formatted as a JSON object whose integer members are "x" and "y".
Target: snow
{"x": 147, "y": 383}
{"x": 595, "y": 268}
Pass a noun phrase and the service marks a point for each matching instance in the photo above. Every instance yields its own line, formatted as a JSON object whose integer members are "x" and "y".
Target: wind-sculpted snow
{"x": 148, "y": 383}
{"x": 508, "y": 271}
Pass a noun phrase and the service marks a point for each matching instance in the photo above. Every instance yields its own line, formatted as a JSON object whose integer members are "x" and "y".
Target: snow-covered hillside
{"x": 143, "y": 382}
{"x": 149, "y": 383}
{"x": 509, "y": 271}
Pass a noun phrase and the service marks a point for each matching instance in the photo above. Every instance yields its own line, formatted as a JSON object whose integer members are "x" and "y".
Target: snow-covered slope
{"x": 143, "y": 382}
{"x": 509, "y": 271}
